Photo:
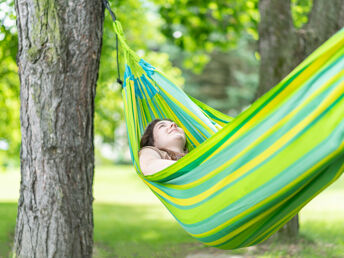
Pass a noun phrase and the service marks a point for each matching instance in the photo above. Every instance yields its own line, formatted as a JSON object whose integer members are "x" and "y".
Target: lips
{"x": 173, "y": 130}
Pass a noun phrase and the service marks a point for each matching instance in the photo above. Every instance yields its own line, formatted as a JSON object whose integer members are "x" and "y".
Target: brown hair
{"x": 147, "y": 139}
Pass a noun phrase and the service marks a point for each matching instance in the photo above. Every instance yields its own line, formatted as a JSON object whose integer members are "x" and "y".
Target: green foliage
{"x": 244, "y": 66}
{"x": 234, "y": 73}
{"x": 10, "y": 136}
{"x": 300, "y": 10}
{"x": 198, "y": 28}
{"x": 203, "y": 25}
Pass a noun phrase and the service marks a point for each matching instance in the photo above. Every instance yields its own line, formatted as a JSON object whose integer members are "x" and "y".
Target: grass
{"x": 129, "y": 221}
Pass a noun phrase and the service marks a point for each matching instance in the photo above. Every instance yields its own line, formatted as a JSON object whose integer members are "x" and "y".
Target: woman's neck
{"x": 176, "y": 149}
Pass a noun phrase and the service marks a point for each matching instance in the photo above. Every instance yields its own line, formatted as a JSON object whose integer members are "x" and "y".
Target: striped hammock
{"x": 244, "y": 177}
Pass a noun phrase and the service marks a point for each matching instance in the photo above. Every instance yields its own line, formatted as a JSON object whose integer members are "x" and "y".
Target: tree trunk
{"x": 58, "y": 61}
{"x": 282, "y": 47}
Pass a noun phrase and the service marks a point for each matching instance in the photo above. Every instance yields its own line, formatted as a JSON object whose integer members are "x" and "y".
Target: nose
{"x": 173, "y": 125}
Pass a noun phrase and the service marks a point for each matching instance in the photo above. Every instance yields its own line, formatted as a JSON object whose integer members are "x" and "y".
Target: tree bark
{"x": 282, "y": 47}
{"x": 58, "y": 62}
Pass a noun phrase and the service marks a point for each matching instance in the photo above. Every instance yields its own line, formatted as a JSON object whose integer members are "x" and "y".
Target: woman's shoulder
{"x": 148, "y": 150}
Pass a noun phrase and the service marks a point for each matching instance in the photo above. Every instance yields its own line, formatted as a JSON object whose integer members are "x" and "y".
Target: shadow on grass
{"x": 146, "y": 231}
{"x": 141, "y": 231}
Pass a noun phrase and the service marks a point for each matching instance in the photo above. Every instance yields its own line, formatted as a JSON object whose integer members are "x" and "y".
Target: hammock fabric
{"x": 244, "y": 177}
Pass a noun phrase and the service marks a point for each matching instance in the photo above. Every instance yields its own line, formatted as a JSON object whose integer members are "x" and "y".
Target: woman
{"x": 162, "y": 144}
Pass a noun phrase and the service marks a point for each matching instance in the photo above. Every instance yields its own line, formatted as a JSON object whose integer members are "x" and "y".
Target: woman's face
{"x": 167, "y": 133}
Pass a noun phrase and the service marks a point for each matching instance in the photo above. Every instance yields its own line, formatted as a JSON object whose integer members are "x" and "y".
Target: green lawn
{"x": 131, "y": 222}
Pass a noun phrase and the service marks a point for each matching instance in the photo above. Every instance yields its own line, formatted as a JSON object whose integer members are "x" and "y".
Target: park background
{"x": 216, "y": 61}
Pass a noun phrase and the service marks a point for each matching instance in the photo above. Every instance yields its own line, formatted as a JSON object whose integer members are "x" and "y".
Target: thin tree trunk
{"x": 282, "y": 47}
{"x": 58, "y": 61}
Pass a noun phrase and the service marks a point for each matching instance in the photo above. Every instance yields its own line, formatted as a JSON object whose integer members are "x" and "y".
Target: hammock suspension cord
{"x": 107, "y": 5}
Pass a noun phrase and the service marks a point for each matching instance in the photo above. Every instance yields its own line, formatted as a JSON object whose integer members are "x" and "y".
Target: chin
{"x": 179, "y": 137}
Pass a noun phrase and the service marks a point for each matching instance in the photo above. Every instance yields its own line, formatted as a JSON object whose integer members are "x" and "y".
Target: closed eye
{"x": 164, "y": 124}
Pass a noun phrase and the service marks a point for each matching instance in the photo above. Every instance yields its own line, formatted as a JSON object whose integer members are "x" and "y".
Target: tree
{"x": 282, "y": 46}
{"x": 59, "y": 45}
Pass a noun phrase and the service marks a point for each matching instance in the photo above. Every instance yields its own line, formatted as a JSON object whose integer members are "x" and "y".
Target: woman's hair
{"x": 147, "y": 138}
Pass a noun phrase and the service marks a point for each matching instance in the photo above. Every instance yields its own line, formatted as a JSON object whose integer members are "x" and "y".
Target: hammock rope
{"x": 113, "y": 16}
{"x": 244, "y": 177}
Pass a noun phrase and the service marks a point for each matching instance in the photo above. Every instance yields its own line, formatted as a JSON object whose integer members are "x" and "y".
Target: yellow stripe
{"x": 159, "y": 105}
{"x": 265, "y": 201}
{"x": 144, "y": 118}
{"x": 277, "y": 101}
{"x": 152, "y": 109}
{"x": 128, "y": 115}
{"x": 142, "y": 88}
{"x": 133, "y": 109}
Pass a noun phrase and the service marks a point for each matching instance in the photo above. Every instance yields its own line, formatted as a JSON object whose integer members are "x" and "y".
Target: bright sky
{"x": 5, "y": 12}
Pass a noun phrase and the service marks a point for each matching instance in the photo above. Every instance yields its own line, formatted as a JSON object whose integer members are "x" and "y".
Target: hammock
{"x": 244, "y": 177}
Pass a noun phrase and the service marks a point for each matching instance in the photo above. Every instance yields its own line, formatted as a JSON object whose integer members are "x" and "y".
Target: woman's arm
{"x": 151, "y": 162}
{"x": 158, "y": 165}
